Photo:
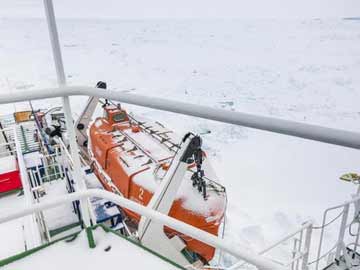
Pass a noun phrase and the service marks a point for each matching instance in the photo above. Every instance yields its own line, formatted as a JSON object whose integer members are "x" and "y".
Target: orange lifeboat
{"x": 131, "y": 157}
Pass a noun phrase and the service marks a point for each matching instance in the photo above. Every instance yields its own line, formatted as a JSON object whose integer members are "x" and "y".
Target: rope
{"x": 327, "y": 224}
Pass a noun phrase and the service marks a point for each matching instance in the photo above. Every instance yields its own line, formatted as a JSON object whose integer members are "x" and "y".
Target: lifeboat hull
{"x": 125, "y": 161}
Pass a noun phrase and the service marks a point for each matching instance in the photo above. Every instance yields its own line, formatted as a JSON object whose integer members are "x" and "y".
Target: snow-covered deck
{"x": 111, "y": 252}
{"x": 7, "y": 164}
{"x": 63, "y": 214}
{"x": 12, "y": 232}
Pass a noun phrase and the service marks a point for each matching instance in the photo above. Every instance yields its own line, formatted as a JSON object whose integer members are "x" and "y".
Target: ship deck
{"x": 11, "y": 232}
{"x": 110, "y": 251}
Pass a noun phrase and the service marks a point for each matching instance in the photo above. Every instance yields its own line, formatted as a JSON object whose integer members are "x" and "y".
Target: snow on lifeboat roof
{"x": 114, "y": 114}
{"x": 143, "y": 157}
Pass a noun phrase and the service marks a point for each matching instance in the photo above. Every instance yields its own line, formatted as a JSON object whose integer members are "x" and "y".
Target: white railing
{"x": 301, "y": 238}
{"x": 297, "y": 129}
{"x": 347, "y": 215}
{"x": 33, "y": 237}
{"x": 212, "y": 240}
{"x": 65, "y": 154}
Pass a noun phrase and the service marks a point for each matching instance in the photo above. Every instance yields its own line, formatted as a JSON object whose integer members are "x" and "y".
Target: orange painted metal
{"x": 110, "y": 156}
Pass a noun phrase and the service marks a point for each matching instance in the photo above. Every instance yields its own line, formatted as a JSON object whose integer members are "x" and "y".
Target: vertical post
{"x": 305, "y": 259}
{"x": 357, "y": 220}
{"x": 59, "y": 66}
{"x": 32, "y": 235}
{"x": 342, "y": 231}
{"x": 55, "y": 44}
{"x": 300, "y": 246}
{"x": 293, "y": 254}
{"x": 57, "y": 162}
{"x": 357, "y": 238}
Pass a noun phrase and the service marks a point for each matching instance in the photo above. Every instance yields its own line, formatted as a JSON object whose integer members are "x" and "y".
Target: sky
{"x": 145, "y": 9}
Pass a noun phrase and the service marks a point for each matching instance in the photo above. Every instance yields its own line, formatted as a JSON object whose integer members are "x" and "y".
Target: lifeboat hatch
{"x": 114, "y": 114}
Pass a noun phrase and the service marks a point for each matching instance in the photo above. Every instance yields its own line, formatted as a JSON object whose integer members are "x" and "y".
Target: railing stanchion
{"x": 342, "y": 231}
{"x": 294, "y": 254}
{"x": 33, "y": 238}
{"x": 59, "y": 66}
{"x": 305, "y": 259}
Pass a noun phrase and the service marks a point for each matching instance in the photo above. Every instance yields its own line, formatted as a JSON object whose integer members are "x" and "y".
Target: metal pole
{"x": 307, "y": 131}
{"x": 293, "y": 254}
{"x": 32, "y": 236}
{"x": 340, "y": 241}
{"x": 305, "y": 260}
{"x": 55, "y": 44}
{"x": 59, "y": 66}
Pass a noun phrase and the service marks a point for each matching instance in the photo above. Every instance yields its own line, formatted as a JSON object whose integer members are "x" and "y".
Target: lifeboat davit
{"x": 131, "y": 157}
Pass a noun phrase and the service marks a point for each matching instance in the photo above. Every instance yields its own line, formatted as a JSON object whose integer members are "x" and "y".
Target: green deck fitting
{"x": 90, "y": 237}
{"x": 64, "y": 228}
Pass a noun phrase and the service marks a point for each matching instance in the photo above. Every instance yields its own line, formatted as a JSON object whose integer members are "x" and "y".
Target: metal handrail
{"x": 66, "y": 152}
{"x": 212, "y": 240}
{"x": 306, "y": 226}
{"x": 292, "y": 128}
{"x": 344, "y": 225}
{"x": 30, "y": 221}
{"x": 320, "y": 256}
